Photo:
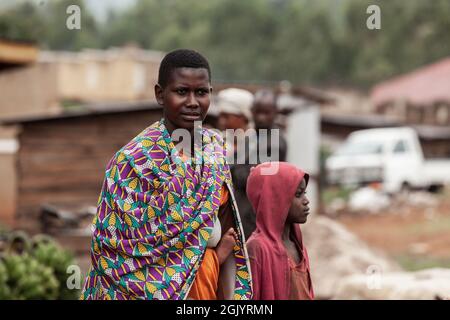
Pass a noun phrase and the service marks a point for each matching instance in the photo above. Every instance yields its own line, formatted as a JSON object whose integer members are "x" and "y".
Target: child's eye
{"x": 181, "y": 91}
{"x": 300, "y": 193}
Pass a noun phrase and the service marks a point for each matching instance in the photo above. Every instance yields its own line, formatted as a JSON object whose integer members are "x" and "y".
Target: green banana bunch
{"x": 33, "y": 268}
{"x": 29, "y": 279}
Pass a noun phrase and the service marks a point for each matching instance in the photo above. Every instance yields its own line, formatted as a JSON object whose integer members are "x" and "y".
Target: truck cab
{"x": 392, "y": 157}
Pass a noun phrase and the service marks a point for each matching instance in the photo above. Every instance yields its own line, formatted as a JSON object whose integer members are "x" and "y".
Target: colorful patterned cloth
{"x": 155, "y": 215}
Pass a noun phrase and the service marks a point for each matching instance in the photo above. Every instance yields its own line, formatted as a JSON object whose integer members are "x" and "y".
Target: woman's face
{"x": 185, "y": 98}
{"x": 299, "y": 211}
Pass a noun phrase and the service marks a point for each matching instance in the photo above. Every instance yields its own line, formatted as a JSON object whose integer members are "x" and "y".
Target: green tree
{"x": 58, "y": 37}
{"x": 22, "y": 23}
{"x": 305, "y": 41}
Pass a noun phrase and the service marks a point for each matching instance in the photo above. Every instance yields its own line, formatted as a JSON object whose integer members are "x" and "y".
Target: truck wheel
{"x": 435, "y": 188}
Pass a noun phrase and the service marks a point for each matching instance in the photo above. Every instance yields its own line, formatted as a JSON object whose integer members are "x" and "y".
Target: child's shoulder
{"x": 256, "y": 243}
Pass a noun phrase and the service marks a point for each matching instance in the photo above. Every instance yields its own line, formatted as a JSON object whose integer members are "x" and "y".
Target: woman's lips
{"x": 191, "y": 116}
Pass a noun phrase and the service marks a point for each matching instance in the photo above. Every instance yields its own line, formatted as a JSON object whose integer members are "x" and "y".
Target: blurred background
{"x": 365, "y": 112}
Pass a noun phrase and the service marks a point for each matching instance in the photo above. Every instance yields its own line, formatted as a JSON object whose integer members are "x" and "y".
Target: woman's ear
{"x": 159, "y": 94}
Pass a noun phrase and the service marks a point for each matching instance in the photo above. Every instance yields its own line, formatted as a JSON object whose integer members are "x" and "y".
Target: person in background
{"x": 264, "y": 111}
{"x": 235, "y": 113}
{"x": 234, "y": 108}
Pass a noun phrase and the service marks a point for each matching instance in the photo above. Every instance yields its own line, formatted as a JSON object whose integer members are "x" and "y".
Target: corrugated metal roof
{"x": 424, "y": 86}
{"x": 85, "y": 111}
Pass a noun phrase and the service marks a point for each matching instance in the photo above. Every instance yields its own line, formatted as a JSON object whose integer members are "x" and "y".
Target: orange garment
{"x": 300, "y": 285}
{"x": 224, "y": 195}
{"x": 207, "y": 278}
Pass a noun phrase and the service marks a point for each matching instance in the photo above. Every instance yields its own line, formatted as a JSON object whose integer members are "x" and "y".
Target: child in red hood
{"x": 279, "y": 261}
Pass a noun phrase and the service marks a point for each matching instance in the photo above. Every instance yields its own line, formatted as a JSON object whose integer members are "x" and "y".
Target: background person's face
{"x": 185, "y": 98}
{"x": 232, "y": 121}
{"x": 299, "y": 211}
{"x": 264, "y": 113}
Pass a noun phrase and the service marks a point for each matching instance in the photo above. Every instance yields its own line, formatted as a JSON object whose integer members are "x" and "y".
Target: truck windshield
{"x": 360, "y": 148}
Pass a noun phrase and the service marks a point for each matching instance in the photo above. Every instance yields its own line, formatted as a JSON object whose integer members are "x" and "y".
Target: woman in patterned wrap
{"x": 167, "y": 225}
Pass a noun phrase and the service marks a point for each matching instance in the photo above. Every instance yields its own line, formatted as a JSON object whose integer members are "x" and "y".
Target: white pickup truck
{"x": 391, "y": 156}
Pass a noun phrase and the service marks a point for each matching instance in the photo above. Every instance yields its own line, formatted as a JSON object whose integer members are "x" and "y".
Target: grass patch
{"x": 415, "y": 263}
{"x": 331, "y": 193}
{"x": 440, "y": 224}
{"x": 72, "y": 105}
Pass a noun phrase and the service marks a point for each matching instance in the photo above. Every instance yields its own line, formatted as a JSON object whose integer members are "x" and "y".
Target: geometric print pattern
{"x": 154, "y": 217}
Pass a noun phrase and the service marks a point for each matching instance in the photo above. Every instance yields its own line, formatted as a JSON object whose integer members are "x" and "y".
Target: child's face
{"x": 299, "y": 211}
{"x": 185, "y": 98}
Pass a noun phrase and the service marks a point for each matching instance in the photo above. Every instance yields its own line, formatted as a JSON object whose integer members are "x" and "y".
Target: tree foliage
{"x": 308, "y": 41}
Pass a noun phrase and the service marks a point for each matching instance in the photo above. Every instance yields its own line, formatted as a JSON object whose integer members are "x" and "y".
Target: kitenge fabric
{"x": 155, "y": 215}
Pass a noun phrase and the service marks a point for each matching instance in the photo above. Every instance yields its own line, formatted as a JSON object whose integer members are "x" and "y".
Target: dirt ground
{"x": 416, "y": 237}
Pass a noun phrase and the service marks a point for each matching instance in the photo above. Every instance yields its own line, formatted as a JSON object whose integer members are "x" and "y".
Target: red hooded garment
{"x": 271, "y": 196}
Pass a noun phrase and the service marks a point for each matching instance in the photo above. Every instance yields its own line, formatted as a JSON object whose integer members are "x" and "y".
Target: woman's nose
{"x": 192, "y": 100}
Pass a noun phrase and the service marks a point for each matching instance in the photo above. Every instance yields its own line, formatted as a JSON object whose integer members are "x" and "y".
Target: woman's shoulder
{"x": 214, "y": 134}
{"x": 145, "y": 139}
{"x": 152, "y": 132}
